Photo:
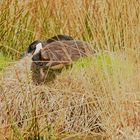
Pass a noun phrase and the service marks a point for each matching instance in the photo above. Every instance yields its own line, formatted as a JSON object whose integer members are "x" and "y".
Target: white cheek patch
{"x": 38, "y": 48}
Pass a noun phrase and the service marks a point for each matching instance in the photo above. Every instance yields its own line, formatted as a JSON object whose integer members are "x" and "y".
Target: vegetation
{"x": 98, "y": 98}
{"x": 3, "y": 61}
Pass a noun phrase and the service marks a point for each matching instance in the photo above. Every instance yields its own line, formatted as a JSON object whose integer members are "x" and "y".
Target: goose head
{"x": 33, "y": 48}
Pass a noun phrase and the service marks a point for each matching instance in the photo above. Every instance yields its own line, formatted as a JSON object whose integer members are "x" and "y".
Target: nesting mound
{"x": 72, "y": 110}
{"x": 84, "y": 99}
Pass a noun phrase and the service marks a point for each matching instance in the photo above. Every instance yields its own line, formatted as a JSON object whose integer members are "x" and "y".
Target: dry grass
{"x": 100, "y": 97}
{"x": 91, "y": 98}
{"x": 111, "y": 24}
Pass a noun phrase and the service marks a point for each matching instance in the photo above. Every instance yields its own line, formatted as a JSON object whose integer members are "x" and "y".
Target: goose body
{"x": 62, "y": 52}
{"x": 57, "y": 55}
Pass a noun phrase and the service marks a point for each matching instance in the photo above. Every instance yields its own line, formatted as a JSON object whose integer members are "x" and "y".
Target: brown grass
{"x": 101, "y": 98}
{"x": 87, "y": 100}
{"x": 111, "y": 24}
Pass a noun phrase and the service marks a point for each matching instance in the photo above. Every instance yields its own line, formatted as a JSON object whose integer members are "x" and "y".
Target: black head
{"x": 32, "y": 46}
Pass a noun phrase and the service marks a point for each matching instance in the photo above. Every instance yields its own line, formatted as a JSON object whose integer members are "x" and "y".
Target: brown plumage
{"x": 59, "y": 54}
{"x": 62, "y": 52}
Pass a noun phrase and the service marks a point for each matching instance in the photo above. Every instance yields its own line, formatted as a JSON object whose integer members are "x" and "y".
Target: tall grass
{"x": 99, "y": 96}
{"x": 110, "y": 24}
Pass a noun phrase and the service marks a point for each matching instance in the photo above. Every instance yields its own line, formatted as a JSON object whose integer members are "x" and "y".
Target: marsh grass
{"x": 4, "y": 61}
{"x": 109, "y": 24}
{"x": 98, "y": 96}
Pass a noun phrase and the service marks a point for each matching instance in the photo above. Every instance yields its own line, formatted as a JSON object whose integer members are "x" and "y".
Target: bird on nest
{"x": 57, "y": 55}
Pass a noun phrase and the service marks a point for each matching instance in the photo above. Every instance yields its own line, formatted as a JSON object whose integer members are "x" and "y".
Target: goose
{"x": 59, "y": 54}
{"x": 37, "y": 45}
